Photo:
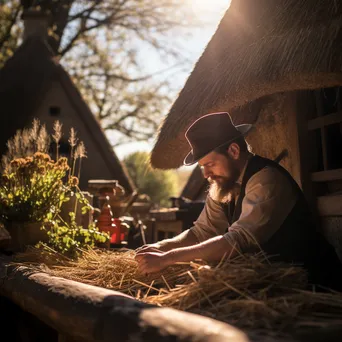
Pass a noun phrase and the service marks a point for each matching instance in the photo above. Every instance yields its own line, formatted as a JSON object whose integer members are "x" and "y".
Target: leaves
{"x": 70, "y": 238}
{"x": 9, "y": 30}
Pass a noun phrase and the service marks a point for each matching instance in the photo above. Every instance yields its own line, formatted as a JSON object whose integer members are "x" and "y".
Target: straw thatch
{"x": 260, "y": 48}
{"x": 248, "y": 291}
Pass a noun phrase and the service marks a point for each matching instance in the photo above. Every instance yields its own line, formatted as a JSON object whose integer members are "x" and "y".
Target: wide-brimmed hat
{"x": 210, "y": 132}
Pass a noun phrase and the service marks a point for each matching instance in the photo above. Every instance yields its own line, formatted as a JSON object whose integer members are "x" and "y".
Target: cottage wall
{"x": 275, "y": 130}
{"x": 94, "y": 166}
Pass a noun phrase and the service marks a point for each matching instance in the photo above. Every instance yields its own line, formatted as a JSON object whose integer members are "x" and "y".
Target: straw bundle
{"x": 247, "y": 291}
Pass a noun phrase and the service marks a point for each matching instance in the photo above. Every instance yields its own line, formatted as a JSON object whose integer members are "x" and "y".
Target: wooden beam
{"x": 326, "y": 176}
{"x": 329, "y": 205}
{"x": 307, "y": 156}
{"x": 324, "y": 121}
{"x": 90, "y": 313}
{"x": 324, "y": 148}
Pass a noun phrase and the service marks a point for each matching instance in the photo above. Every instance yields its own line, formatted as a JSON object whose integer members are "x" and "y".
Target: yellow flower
{"x": 62, "y": 161}
{"x": 41, "y": 156}
{"x": 73, "y": 181}
{"x": 28, "y": 160}
{"x": 18, "y": 162}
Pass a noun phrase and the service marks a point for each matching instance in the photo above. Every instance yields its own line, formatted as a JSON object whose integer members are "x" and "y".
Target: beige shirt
{"x": 269, "y": 198}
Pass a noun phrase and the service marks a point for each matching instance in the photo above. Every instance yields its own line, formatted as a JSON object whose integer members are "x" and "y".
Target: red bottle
{"x": 122, "y": 230}
{"x": 106, "y": 222}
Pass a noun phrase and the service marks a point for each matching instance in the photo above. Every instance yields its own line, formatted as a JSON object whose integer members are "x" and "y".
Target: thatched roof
{"x": 24, "y": 80}
{"x": 260, "y": 48}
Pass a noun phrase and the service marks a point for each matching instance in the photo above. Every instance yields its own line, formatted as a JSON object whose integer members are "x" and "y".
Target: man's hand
{"x": 152, "y": 262}
{"x": 154, "y": 247}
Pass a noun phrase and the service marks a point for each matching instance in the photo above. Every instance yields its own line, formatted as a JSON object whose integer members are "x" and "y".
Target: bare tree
{"x": 98, "y": 42}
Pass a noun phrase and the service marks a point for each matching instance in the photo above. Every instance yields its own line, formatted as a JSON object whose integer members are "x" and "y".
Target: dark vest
{"x": 297, "y": 240}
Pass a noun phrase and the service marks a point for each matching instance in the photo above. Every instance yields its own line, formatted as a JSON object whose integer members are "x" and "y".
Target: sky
{"x": 211, "y": 11}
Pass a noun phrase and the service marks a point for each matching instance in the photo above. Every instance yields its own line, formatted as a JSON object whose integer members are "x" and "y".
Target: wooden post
{"x": 305, "y": 108}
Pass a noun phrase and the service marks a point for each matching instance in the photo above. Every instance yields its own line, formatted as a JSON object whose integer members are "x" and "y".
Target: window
{"x": 64, "y": 149}
{"x": 325, "y": 137}
{"x": 55, "y": 111}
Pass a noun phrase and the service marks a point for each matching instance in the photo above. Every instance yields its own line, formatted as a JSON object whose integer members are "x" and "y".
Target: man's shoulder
{"x": 269, "y": 183}
{"x": 270, "y": 175}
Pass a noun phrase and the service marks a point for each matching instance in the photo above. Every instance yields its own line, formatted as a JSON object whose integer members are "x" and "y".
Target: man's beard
{"x": 222, "y": 188}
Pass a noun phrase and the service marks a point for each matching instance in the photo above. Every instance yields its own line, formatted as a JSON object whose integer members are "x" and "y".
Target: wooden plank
{"x": 326, "y": 176}
{"x": 324, "y": 121}
{"x": 329, "y": 205}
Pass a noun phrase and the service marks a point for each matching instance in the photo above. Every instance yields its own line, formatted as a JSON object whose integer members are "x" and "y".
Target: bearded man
{"x": 252, "y": 203}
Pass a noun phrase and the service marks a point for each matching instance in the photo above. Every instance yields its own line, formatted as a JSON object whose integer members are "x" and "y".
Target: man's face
{"x": 222, "y": 173}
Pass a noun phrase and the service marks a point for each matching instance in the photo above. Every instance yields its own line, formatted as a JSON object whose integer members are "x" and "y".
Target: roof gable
{"x": 23, "y": 82}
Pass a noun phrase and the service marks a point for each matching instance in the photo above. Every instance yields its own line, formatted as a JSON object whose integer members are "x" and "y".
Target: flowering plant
{"x": 33, "y": 186}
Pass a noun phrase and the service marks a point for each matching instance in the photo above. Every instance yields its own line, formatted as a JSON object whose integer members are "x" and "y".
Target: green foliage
{"x": 70, "y": 239}
{"x": 32, "y": 190}
{"x": 159, "y": 185}
{"x": 9, "y": 30}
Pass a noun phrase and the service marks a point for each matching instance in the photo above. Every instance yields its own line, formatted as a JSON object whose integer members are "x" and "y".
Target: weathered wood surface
{"x": 90, "y": 313}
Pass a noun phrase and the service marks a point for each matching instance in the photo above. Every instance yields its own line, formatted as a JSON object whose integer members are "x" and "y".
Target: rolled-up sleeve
{"x": 269, "y": 198}
{"x": 211, "y": 222}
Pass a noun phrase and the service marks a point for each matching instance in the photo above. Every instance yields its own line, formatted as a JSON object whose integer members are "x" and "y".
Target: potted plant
{"x": 31, "y": 192}
{"x": 33, "y": 186}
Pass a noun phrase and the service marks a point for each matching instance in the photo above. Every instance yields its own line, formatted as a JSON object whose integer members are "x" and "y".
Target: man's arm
{"x": 211, "y": 222}
{"x": 184, "y": 239}
{"x": 213, "y": 249}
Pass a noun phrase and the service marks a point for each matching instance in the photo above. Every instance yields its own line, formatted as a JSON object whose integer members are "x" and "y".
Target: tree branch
{"x": 7, "y": 35}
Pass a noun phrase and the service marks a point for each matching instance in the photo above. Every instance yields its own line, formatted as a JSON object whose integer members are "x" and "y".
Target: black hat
{"x": 210, "y": 132}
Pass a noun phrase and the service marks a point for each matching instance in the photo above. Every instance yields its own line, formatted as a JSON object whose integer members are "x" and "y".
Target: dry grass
{"x": 247, "y": 291}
